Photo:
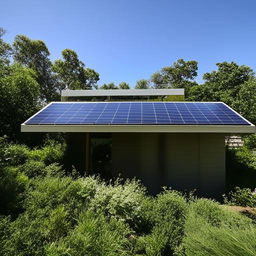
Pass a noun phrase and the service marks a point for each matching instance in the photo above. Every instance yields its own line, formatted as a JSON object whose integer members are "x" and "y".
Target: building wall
{"x": 179, "y": 161}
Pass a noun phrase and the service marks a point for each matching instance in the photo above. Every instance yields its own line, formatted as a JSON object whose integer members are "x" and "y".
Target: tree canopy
{"x": 180, "y": 74}
{"x": 109, "y": 86}
{"x": 142, "y": 84}
{"x": 34, "y": 54}
{"x": 124, "y": 85}
{"x": 72, "y": 74}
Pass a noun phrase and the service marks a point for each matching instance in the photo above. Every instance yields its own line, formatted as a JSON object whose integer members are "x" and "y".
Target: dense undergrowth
{"x": 46, "y": 211}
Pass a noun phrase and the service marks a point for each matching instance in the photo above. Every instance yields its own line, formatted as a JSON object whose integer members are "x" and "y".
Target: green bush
{"x": 202, "y": 238}
{"x": 33, "y": 169}
{"x": 168, "y": 214}
{"x": 4, "y": 233}
{"x": 120, "y": 201}
{"x": 14, "y": 155}
{"x": 211, "y": 229}
{"x": 94, "y": 234}
{"x": 12, "y": 188}
{"x": 241, "y": 197}
{"x": 250, "y": 141}
{"x": 49, "y": 154}
{"x": 216, "y": 214}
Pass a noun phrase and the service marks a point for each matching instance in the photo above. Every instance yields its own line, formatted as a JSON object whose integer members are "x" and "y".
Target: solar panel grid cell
{"x": 138, "y": 113}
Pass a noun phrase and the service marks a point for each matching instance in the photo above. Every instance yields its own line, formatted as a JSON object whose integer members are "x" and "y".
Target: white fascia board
{"x": 122, "y": 92}
{"x": 234, "y": 129}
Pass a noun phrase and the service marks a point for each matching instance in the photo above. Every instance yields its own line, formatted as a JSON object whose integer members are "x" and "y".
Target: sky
{"x": 128, "y": 40}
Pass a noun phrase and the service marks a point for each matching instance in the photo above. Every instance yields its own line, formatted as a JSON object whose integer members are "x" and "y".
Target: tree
{"x": 246, "y": 100}
{"x": 34, "y": 54}
{"x": 5, "y": 50}
{"x": 124, "y": 85}
{"x": 230, "y": 83}
{"x": 142, "y": 84}
{"x": 223, "y": 84}
{"x": 19, "y": 92}
{"x": 110, "y": 86}
{"x": 72, "y": 74}
{"x": 180, "y": 75}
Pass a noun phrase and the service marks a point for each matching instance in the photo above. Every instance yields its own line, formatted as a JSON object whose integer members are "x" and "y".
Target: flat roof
{"x": 121, "y": 92}
{"x": 168, "y": 117}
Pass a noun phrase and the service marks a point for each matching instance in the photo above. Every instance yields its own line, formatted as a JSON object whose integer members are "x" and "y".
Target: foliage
{"x": 211, "y": 229}
{"x": 168, "y": 215}
{"x": 34, "y": 54}
{"x": 180, "y": 75}
{"x": 204, "y": 239}
{"x": 110, "y": 86}
{"x": 124, "y": 85}
{"x": 250, "y": 141}
{"x": 72, "y": 74}
{"x": 241, "y": 197}
{"x": 142, "y": 84}
{"x": 12, "y": 188}
{"x": 93, "y": 235}
{"x": 241, "y": 167}
{"x": 232, "y": 84}
{"x": 5, "y": 50}
{"x": 246, "y": 100}
{"x": 18, "y": 99}
{"x": 120, "y": 201}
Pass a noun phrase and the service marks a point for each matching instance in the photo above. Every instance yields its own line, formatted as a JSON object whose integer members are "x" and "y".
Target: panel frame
{"x": 151, "y": 128}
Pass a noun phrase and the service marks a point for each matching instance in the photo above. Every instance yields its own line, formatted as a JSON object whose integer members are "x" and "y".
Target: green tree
{"x": 109, "y": 86}
{"x": 222, "y": 84}
{"x": 72, "y": 74}
{"x": 34, "y": 54}
{"x": 5, "y": 50}
{"x": 124, "y": 85}
{"x": 19, "y": 92}
{"x": 142, "y": 84}
{"x": 230, "y": 83}
{"x": 246, "y": 100}
{"x": 180, "y": 75}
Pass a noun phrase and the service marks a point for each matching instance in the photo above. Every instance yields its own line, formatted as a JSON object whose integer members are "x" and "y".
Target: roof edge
{"x": 237, "y": 129}
{"x": 122, "y": 92}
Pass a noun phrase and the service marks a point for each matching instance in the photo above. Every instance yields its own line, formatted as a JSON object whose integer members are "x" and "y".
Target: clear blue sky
{"x": 127, "y": 40}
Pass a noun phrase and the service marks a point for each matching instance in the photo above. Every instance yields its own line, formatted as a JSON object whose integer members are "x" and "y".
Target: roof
{"x": 186, "y": 117}
{"x": 122, "y": 92}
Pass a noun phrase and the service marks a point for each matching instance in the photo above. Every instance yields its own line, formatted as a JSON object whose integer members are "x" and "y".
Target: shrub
{"x": 120, "y": 201}
{"x": 204, "y": 239}
{"x": 49, "y": 154}
{"x": 14, "y": 154}
{"x": 241, "y": 197}
{"x": 51, "y": 192}
{"x": 250, "y": 141}
{"x": 167, "y": 216}
{"x": 95, "y": 234}
{"x": 12, "y": 189}
{"x": 52, "y": 207}
{"x": 4, "y": 233}
{"x": 215, "y": 214}
{"x": 33, "y": 169}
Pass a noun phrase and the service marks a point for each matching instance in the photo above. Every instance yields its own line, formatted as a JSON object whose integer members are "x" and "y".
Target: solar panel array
{"x": 137, "y": 113}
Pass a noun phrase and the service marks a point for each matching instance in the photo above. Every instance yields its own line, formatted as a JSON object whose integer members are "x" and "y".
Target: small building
{"x": 175, "y": 144}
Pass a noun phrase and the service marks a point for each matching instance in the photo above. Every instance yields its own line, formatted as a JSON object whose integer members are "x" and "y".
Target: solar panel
{"x": 137, "y": 113}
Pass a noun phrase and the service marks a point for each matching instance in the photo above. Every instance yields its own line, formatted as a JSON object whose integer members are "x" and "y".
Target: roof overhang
{"x": 229, "y": 129}
{"x": 123, "y": 92}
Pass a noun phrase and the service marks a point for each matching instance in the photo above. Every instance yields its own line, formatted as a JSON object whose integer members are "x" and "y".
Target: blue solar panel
{"x": 134, "y": 113}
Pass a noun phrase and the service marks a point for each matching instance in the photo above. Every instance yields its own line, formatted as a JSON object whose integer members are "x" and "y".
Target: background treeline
{"x": 29, "y": 79}
{"x": 46, "y": 210}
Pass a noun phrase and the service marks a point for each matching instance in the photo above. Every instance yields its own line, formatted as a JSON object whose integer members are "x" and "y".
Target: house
{"x": 175, "y": 144}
